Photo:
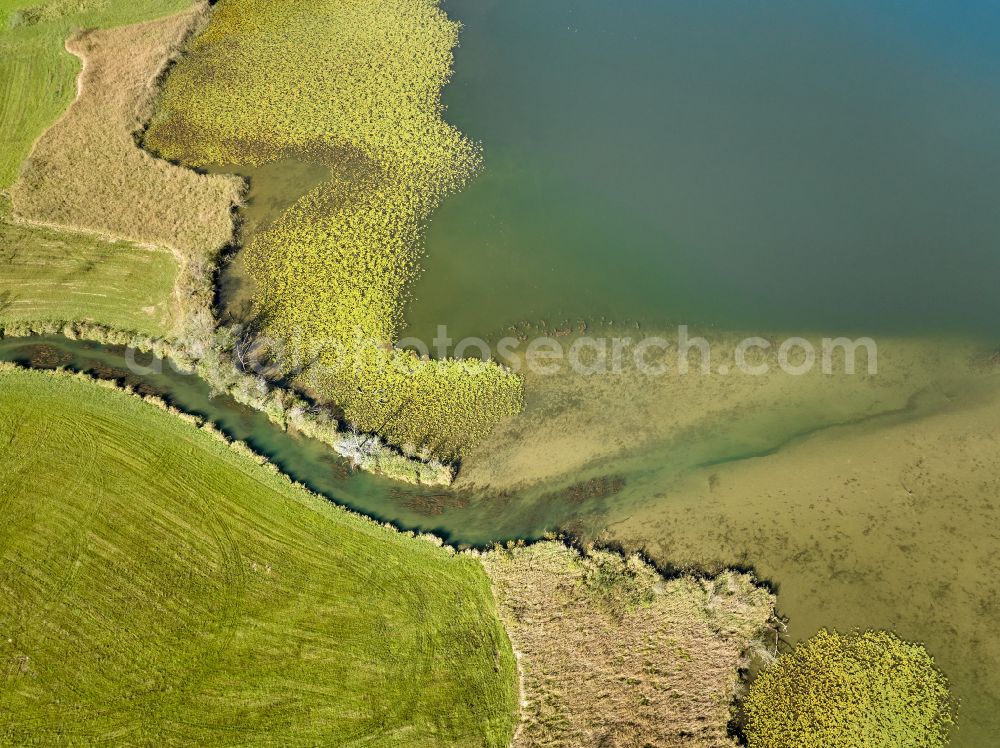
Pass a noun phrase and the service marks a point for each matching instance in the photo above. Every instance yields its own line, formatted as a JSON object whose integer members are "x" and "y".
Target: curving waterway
{"x": 452, "y": 515}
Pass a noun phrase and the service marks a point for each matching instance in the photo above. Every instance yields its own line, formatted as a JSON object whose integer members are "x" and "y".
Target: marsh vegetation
{"x": 611, "y": 654}
{"x": 851, "y": 691}
{"x": 356, "y": 88}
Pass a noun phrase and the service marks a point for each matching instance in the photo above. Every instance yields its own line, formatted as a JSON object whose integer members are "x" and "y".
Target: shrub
{"x": 850, "y": 691}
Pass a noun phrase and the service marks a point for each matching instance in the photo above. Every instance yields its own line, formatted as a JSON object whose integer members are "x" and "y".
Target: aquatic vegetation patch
{"x": 86, "y": 172}
{"x": 851, "y": 691}
{"x": 595, "y": 489}
{"x": 165, "y": 587}
{"x": 354, "y": 86}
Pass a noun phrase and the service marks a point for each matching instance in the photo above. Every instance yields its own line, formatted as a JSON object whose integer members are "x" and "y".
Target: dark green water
{"x": 776, "y": 164}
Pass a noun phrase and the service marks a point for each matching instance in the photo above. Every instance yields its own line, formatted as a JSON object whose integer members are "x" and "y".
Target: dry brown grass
{"x": 87, "y": 173}
{"x": 613, "y": 655}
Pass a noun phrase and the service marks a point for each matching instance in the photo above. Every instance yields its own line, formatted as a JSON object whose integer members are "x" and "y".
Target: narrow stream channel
{"x": 454, "y": 516}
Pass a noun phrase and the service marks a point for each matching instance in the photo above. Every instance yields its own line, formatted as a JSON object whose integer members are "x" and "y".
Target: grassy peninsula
{"x": 611, "y": 653}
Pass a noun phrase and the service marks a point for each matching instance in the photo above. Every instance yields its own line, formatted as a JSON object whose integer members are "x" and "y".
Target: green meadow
{"x": 55, "y": 276}
{"x": 160, "y": 586}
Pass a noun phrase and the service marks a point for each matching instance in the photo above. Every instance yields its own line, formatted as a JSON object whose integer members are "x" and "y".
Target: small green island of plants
{"x": 850, "y": 691}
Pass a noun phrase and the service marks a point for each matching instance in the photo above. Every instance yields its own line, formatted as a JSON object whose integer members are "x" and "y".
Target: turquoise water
{"x": 778, "y": 164}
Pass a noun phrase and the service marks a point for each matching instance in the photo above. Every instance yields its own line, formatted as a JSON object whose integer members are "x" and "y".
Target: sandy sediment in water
{"x": 887, "y": 525}
{"x": 576, "y": 425}
{"x": 890, "y": 520}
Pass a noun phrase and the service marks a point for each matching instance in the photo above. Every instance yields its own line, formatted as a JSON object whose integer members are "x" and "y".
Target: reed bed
{"x": 613, "y": 654}
{"x": 354, "y": 86}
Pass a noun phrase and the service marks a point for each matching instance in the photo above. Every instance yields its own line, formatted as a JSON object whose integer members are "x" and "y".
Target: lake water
{"x": 829, "y": 167}
{"x": 760, "y": 166}
{"x": 776, "y": 164}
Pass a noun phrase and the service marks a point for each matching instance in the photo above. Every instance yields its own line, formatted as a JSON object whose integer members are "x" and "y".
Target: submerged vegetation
{"x": 612, "y": 654}
{"x": 282, "y": 407}
{"x": 850, "y": 691}
{"x": 162, "y": 587}
{"x": 356, "y": 87}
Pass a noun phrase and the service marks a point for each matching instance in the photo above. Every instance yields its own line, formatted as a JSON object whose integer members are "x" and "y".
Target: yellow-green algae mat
{"x": 354, "y": 86}
{"x": 161, "y": 588}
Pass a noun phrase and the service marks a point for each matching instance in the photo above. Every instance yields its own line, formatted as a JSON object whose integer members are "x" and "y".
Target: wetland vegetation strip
{"x": 309, "y": 461}
{"x": 354, "y": 88}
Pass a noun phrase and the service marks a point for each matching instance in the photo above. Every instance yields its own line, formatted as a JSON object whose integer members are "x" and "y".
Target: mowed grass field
{"x": 50, "y": 275}
{"x": 160, "y": 588}
{"x": 38, "y": 76}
